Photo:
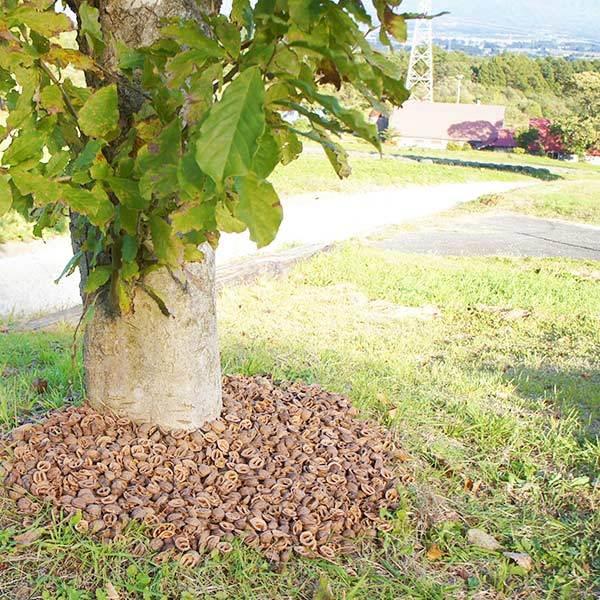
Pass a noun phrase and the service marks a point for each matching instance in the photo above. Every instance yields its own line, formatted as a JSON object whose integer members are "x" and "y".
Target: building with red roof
{"x": 436, "y": 124}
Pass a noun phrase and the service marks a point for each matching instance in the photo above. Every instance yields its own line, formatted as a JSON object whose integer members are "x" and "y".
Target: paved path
{"x": 28, "y": 271}
{"x": 500, "y": 234}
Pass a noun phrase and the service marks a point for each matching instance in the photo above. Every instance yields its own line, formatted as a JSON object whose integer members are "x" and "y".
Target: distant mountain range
{"x": 536, "y": 19}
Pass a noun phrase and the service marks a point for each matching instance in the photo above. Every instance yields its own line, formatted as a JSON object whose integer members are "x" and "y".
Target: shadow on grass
{"x": 537, "y": 172}
{"x": 569, "y": 392}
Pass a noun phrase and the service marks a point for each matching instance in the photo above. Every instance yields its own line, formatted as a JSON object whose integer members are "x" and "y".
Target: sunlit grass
{"x": 498, "y": 414}
{"x": 573, "y": 199}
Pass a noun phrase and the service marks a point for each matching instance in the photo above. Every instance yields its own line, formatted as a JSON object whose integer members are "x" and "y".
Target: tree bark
{"x": 157, "y": 369}
{"x": 147, "y": 366}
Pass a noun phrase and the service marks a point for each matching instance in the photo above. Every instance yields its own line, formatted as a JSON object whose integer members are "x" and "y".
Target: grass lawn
{"x": 495, "y": 401}
{"x": 573, "y": 199}
{"x": 312, "y": 173}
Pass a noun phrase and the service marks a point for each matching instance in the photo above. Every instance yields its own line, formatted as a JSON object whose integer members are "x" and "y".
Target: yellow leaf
{"x": 434, "y": 552}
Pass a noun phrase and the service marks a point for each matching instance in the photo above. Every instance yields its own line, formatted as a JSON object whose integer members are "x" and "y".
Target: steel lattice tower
{"x": 420, "y": 69}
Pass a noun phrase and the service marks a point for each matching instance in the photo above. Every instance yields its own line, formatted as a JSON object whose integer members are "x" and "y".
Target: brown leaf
{"x": 111, "y": 592}
{"x": 481, "y": 539}
{"x": 28, "y": 537}
{"x": 434, "y": 552}
{"x": 329, "y": 74}
{"x": 472, "y": 486}
{"x": 401, "y": 456}
{"x": 521, "y": 558}
{"x": 39, "y": 386}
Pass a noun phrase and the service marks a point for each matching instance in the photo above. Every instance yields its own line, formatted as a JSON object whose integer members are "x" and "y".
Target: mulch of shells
{"x": 287, "y": 468}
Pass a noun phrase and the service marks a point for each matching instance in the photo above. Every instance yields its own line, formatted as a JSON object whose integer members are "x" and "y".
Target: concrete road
{"x": 500, "y": 234}
{"x": 28, "y": 271}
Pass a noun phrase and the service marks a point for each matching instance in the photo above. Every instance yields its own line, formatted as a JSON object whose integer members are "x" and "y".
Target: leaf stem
{"x": 64, "y": 94}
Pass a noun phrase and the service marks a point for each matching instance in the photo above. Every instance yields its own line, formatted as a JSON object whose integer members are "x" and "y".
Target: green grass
{"x": 14, "y": 228}
{"x": 573, "y": 199}
{"x": 312, "y": 173}
{"x": 498, "y": 416}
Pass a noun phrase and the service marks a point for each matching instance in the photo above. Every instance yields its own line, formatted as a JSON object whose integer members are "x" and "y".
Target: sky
{"x": 571, "y": 18}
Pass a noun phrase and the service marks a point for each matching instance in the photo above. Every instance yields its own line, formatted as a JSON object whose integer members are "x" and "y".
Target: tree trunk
{"x": 157, "y": 369}
{"x": 147, "y": 366}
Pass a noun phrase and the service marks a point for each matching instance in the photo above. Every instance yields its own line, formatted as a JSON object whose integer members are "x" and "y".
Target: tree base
{"x": 287, "y": 468}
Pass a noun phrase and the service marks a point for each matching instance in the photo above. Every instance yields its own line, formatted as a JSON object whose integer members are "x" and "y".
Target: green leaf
{"x": 289, "y": 144}
{"x": 338, "y": 157}
{"x": 259, "y": 208}
{"x": 353, "y": 119}
{"x": 167, "y": 247}
{"x": 190, "y": 34}
{"x": 97, "y": 278}
{"x": 229, "y": 135}
{"x": 94, "y": 204}
{"x": 70, "y": 266}
{"x": 189, "y": 176}
{"x": 395, "y": 25}
{"x": 57, "y": 163}
{"x": 51, "y": 99}
{"x": 28, "y": 79}
{"x": 99, "y": 116}
{"x": 267, "y": 155}
{"x": 229, "y": 36}
{"x": 241, "y": 14}
{"x": 157, "y": 162}
{"x": 5, "y": 195}
{"x": 86, "y": 157}
{"x": 127, "y": 191}
{"x": 226, "y": 221}
{"x": 200, "y": 217}
{"x": 129, "y": 248}
{"x": 47, "y": 23}
{"x": 44, "y": 191}
{"x": 27, "y": 145}
{"x": 304, "y": 12}
{"x": 63, "y": 57}
{"x": 90, "y": 27}
{"x": 127, "y": 219}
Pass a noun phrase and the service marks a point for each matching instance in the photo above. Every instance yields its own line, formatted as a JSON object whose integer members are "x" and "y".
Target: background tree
{"x": 170, "y": 143}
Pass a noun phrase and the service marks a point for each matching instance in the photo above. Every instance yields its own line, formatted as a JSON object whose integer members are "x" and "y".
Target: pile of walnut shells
{"x": 288, "y": 468}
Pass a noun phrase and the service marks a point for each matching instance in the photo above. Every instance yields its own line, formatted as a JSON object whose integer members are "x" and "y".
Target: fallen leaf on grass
{"x": 481, "y": 539}
{"x": 24, "y": 539}
{"x": 401, "y": 456}
{"x": 39, "y": 386}
{"x": 111, "y": 592}
{"x": 434, "y": 552}
{"x": 521, "y": 558}
{"x": 472, "y": 486}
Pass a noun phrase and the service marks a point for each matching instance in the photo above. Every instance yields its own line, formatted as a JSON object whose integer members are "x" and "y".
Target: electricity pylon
{"x": 420, "y": 69}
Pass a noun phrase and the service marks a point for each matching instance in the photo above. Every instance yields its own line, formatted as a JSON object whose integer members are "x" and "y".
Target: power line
{"x": 420, "y": 68}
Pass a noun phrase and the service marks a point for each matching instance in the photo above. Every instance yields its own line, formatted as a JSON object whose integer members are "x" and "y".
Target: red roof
{"x": 475, "y": 123}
